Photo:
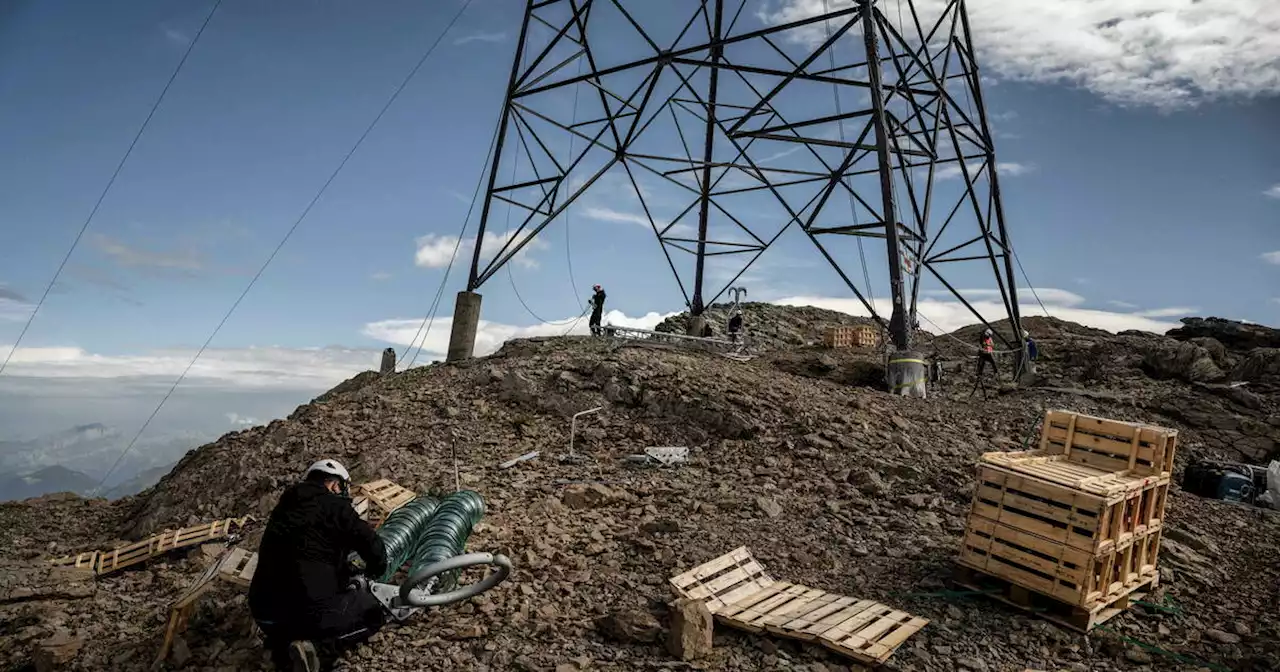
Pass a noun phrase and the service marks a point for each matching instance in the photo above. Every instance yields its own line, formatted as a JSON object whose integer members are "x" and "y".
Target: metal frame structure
{"x": 918, "y": 119}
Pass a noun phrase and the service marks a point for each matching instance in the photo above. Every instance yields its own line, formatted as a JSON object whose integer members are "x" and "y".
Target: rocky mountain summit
{"x": 797, "y": 454}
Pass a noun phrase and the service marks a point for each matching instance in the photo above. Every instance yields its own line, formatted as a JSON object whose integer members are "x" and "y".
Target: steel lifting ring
{"x": 410, "y": 596}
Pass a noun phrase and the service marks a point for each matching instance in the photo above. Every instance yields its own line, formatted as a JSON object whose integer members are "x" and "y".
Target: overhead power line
{"x": 107, "y": 189}
{"x": 288, "y": 234}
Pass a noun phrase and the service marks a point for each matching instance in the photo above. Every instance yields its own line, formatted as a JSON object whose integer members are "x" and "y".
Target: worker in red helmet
{"x": 597, "y": 310}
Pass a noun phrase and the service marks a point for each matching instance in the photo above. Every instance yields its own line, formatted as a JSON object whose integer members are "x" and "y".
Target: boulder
{"x": 57, "y": 652}
{"x": 692, "y": 627}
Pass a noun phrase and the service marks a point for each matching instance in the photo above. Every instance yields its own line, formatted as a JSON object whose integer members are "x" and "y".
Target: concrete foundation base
{"x": 907, "y": 374}
{"x": 466, "y": 319}
{"x": 696, "y": 326}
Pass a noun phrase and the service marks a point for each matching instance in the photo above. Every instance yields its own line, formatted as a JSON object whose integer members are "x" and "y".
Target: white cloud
{"x": 1166, "y": 53}
{"x": 1271, "y": 257}
{"x": 127, "y": 255}
{"x": 948, "y": 315}
{"x": 610, "y": 215}
{"x": 242, "y": 420}
{"x": 491, "y": 335}
{"x": 1175, "y": 311}
{"x": 266, "y": 367}
{"x": 1273, "y": 192}
{"x": 1123, "y": 304}
{"x": 603, "y": 214}
{"x": 436, "y": 250}
{"x": 1049, "y": 295}
{"x": 482, "y": 37}
{"x": 380, "y": 276}
{"x": 14, "y": 310}
{"x": 1006, "y": 169}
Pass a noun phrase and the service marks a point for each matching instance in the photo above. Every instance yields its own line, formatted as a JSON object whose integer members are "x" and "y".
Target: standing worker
{"x": 735, "y": 325}
{"x": 597, "y": 310}
{"x": 986, "y": 355}
{"x": 300, "y": 594}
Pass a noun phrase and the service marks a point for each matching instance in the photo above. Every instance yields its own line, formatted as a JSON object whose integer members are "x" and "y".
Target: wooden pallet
{"x": 385, "y": 497}
{"x": 738, "y": 591}
{"x": 1075, "y": 577}
{"x": 1048, "y": 608}
{"x": 105, "y": 562}
{"x": 1080, "y": 519}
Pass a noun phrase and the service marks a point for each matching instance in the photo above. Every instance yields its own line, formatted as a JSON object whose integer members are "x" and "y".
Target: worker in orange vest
{"x": 986, "y": 355}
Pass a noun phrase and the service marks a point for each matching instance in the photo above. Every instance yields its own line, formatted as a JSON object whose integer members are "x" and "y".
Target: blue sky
{"x": 1140, "y": 152}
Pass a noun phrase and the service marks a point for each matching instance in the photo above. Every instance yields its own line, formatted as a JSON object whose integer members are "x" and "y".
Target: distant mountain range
{"x": 44, "y": 481}
{"x": 74, "y": 460}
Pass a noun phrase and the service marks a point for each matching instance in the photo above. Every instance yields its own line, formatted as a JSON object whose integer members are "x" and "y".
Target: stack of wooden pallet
{"x": 855, "y": 336}
{"x": 1071, "y": 529}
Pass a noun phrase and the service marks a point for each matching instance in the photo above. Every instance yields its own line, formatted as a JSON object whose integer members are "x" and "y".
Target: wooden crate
{"x": 1107, "y": 516}
{"x": 1106, "y": 445}
{"x": 740, "y": 593}
{"x": 1077, "y": 578}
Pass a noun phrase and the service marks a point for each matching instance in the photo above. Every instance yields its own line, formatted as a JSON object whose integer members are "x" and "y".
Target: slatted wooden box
{"x": 859, "y": 336}
{"x": 1084, "y": 512}
{"x": 1102, "y": 445}
{"x": 739, "y": 592}
{"x": 1091, "y": 581}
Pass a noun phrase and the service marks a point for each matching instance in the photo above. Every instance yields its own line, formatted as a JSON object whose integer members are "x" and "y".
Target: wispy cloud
{"x": 435, "y": 250}
{"x": 263, "y": 367}
{"x": 1122, "y": 304}
{"x": 1273, "y": 192}
{"x": 491, "y": 335}
{"x": 1006, "y": 169}
{"x": 1164, "y": 53}
{"x": 380, "y": 276}
{"x": 175, "y": 36}
{"x": 242, "y": 420}
{"x": 9, "y": 294}
{"x": 124, "y": 254}
{"x": 603, "y": 214}
{"x": 948, "y": 315}
{"x": 1272, "y": 257}
{"x": 482, "y": 37}
{"x": 1175, "y": 311}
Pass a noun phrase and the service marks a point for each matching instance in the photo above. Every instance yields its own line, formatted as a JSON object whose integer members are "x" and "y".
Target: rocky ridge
{"x": 831, "y": 482}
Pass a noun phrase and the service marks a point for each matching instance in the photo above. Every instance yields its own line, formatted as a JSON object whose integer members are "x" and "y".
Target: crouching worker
{"x": 300, "y": 595}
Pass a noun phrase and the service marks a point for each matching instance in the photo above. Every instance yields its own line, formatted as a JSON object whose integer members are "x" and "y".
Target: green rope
{"x": 1164, "y": 652}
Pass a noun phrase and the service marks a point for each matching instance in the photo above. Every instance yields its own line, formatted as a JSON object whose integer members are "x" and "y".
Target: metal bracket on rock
{"x": 667, "y": 456}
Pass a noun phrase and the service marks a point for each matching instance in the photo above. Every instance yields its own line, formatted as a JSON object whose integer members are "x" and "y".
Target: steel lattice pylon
{"x": 880, "y": 120}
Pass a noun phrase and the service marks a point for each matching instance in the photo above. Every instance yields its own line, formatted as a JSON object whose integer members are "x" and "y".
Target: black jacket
{"x": 302, "y": 561}
{"x": 597, "y": 302}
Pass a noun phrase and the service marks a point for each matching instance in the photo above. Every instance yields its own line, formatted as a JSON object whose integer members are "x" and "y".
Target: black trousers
{"x": 594, "y": 323}
{"x": 985, "y": 358}
{"x": 334, "y": 625}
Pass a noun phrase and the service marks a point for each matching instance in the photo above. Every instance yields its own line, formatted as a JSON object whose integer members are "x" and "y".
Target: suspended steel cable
{"x": 430, "y": 319}
{"x": 567, "y": 248}
{"x": 288, "y": 234}
{"x": 110, "y": 182}
{"x": 853, "y": 206}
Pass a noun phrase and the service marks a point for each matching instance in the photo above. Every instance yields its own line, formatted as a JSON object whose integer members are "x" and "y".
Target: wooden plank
{"x": 837, "y": 617}
{"x": 801, "y": 626}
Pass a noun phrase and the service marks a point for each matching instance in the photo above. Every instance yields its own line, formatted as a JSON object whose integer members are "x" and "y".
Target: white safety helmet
{"x": 332, "y": 468}
{"x": 986, "y": 332}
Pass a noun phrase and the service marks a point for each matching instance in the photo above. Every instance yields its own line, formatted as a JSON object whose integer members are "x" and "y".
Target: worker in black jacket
{"x": 300, "y": 595}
